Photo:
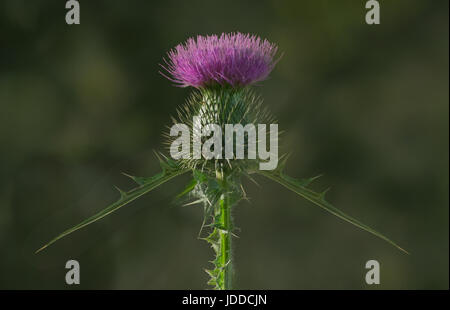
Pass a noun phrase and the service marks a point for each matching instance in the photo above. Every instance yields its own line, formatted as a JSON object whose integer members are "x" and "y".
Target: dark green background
{"x": 367, "y": 106}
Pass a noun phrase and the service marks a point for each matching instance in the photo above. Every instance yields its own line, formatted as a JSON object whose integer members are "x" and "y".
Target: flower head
{"x": 234, "y": 59}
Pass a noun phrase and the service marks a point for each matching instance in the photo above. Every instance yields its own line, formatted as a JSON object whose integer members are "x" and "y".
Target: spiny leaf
{"x": 167, "y": 164}
{"x": 137, "y": 180}
{"x": 301, "y": 182}
{"x": 147, "y": 184}
{"x": 213, "y": 273}
{"x": 189, "y": 187}
{"x": 213, "y": 239}
{"x": 319, "y": 199}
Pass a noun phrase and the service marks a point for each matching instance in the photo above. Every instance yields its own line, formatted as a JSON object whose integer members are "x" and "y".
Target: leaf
{"x": 319, "y": 199}
{"x": 189, "y": 188}
{"x": 169, "y": 171}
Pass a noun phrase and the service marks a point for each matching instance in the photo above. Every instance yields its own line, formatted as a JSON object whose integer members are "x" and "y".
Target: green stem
{"x": 225, "y": 224}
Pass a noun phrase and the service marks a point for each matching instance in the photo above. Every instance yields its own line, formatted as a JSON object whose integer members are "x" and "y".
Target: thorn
{"x": 402, "y": 249}
{"x": 316, "y": 177}
{"x": 209, "y": 272}
{"x": 307, "y": 182}
{"x": 122, "y": 193}
{"x": 40, "y": 249}
{"x": 193, "y": 203}
{"x": 134, "y": 178}
{"x": 322, "y": 194}
{"x": 229, "y": 164}
{"x": 162, "y": 163}
{"x": 252, "y": 179}
{"x": 283, "y": 161}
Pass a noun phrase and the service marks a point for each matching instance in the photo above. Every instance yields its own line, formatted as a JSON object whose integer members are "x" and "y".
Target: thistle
{"x": 221, "y": 70}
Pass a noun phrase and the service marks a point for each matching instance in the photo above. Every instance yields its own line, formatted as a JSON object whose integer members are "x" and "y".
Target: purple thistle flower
{"x": 234, "y": 59}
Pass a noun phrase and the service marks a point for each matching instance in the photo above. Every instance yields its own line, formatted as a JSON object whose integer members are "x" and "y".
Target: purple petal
{"x": 234, "y": 59}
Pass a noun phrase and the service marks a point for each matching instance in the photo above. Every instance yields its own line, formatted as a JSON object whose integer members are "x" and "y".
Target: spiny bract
{"x": 221, "y": 106}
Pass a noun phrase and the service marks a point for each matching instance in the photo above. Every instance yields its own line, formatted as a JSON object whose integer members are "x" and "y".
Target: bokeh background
{"x": 367, "y": 106}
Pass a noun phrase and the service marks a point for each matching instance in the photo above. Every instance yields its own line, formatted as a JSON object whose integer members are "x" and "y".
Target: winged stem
{"x": 225, "y": 236}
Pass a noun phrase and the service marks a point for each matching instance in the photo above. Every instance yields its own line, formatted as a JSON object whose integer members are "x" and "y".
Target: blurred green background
{"x": 367, "y": 106}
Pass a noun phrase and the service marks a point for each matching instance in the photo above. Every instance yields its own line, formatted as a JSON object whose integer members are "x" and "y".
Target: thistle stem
{"x": 225, "y": 224}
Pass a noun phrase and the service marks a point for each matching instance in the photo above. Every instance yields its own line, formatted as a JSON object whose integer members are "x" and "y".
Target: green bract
{"x": 221, "y": 106}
